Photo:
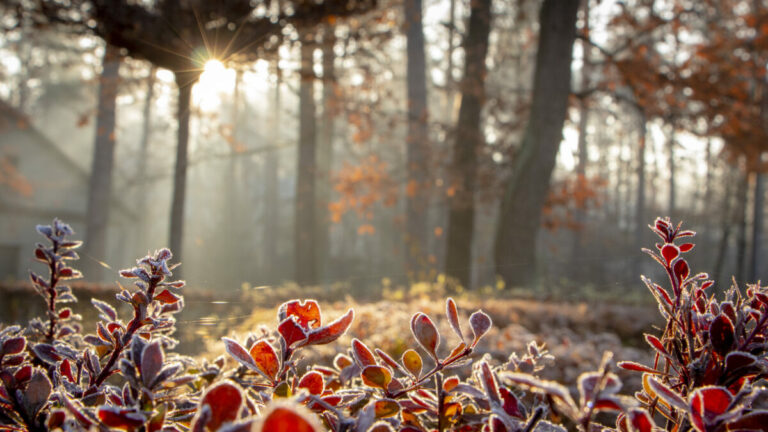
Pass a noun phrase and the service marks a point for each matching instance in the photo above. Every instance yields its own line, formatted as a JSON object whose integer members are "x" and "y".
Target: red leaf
{"x": 151, "y": 362}
{"x": 23, "y": 374}
{"x": 426, "y": 334}
{"x": 291, "y": 332}
{"x": 376, "y": 376}
{"x": 510, "y": 403}
{"x": 710, "y": 402}
{"x": 637, "y": 367}
{"x": 288, "y": 418}
{"x": 681, "y": 270}
{"x": 266, "y": 359}
{"x": 656, "y": 344}
{"x": 480, "y": 323}
{"x": 667, "y": 394}
{"x": 669, "y": 252}
{"x": 721, "y": 334}
{"x": 126, "y": 419}
{"x": 332, "y": 331}
{"x": 239, "y": 353}
{"x": 754, "y": 421}
{"x": 14, "y": 345}
{"x": 640, "y": 420}
{"x": 685, "y": 247}
{"x": 65, "y": 369}
{"x": 386, "y": 408}
{"x": 307, "y": 313}
{"x": 453, "y": 317}
{"x": 362, "y": 354}
{"x": 225, "y": 400}
{"x": 313, "y": 382}
{"x": 489, "y": 382}
{"x": 167, "y": 297}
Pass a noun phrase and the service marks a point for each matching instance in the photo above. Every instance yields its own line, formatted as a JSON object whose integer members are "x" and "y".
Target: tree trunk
{"x": 416, "y": 141}
{"x": 527, "y": 188}
{"x": 672, "y": 196}
{"x": 184, "y": 80}
{"x": 756, "y": 256}
{"x": 325, "y": 153}
{"x": 580, "y": 215}
{"x": 727, "y": 220}
{"x": 100, "y": 183}
{"x": 469, "y": 139}
{"x": 305, "y": 248}
{"x": 270, "y": 224}
{"x": 741, "y": 240}
{"x": 141, "y": 168}
{"x": 640, "y": 216}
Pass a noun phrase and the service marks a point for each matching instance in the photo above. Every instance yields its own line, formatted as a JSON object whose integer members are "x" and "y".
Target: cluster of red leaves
{"x": 709, "y": 362}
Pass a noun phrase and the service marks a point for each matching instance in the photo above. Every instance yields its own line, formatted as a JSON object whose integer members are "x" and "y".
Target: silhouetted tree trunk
{"x": 416, "y": 141}
{"x": 727, "y": 218}
{"x": 185, "y": 81}
{"x": 741, "y": 240}
{"x": 469, "y": 139}
{"x": 325, "y": 152}
{"x": 305, "y": 247}
{"x": 580, "y": 215}
{"x": 141, "y": 165}
{"x": 527, "y": 188}
{"x": 756, "y": 255}
{"x": 672, "y": 169}
{"x": 100, "y": 183}
{"x": 270, "y": 225}
{"x": 640, "y": 216}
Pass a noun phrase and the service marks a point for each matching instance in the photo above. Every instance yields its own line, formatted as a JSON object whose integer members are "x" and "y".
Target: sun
{"x": 215, "y": 80}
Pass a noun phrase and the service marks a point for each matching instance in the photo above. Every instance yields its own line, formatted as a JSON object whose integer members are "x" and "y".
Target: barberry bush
{"x": 707, "y": 374}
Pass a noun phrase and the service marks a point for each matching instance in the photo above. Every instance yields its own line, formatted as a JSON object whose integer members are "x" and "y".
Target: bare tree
{"x": 469, "y": 140}
{"x": 527, "y": 188}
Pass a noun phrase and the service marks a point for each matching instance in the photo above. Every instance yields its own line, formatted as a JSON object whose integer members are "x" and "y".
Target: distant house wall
{"x": 37, "y": 183}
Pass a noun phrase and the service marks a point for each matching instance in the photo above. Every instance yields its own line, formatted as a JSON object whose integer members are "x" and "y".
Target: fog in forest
{"x": 364, "y": 144}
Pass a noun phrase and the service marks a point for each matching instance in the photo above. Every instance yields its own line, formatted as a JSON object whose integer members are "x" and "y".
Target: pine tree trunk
{"x": 100, "y": 183}
{"x": 305, "y": 248}
{"x": 527, "y": 188}
{"x": 184, "y": 81}
{"x": 417, "y": 140}
{"x": 469, "y": 139}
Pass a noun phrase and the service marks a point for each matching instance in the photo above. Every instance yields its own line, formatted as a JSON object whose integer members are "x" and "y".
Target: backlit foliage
{"x": 710, "y": 360}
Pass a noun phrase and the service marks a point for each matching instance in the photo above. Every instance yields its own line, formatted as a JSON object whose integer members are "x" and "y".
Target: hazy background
{"x": 368, "y": 146}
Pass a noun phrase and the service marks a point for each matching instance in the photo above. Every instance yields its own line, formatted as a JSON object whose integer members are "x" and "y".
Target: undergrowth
{"x": 708, "y": 373}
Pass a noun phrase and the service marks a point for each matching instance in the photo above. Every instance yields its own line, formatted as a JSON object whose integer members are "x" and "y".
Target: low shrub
{"x": 707, "y": 375}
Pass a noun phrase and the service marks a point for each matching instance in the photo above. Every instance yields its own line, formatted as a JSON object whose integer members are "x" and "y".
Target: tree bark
{"x": 184, "y": 80}
{"x": 580, "y": 215}
{"x": 526, "y": 189}
{"x": 100, "y": 183}
{"x": 305, "y": 250}
{"x": 325, "y": 154}
{"x": 672, "y": 161}
{"x": 141, "y": 168}
{"x": 469, "y": 139}
{"x": 416, "y": 141}
{"x": 756, "y": 255}
{"x": 270, "y": 225}
{"x": 640, "y": 216}
{"x": 741, "y": 239}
